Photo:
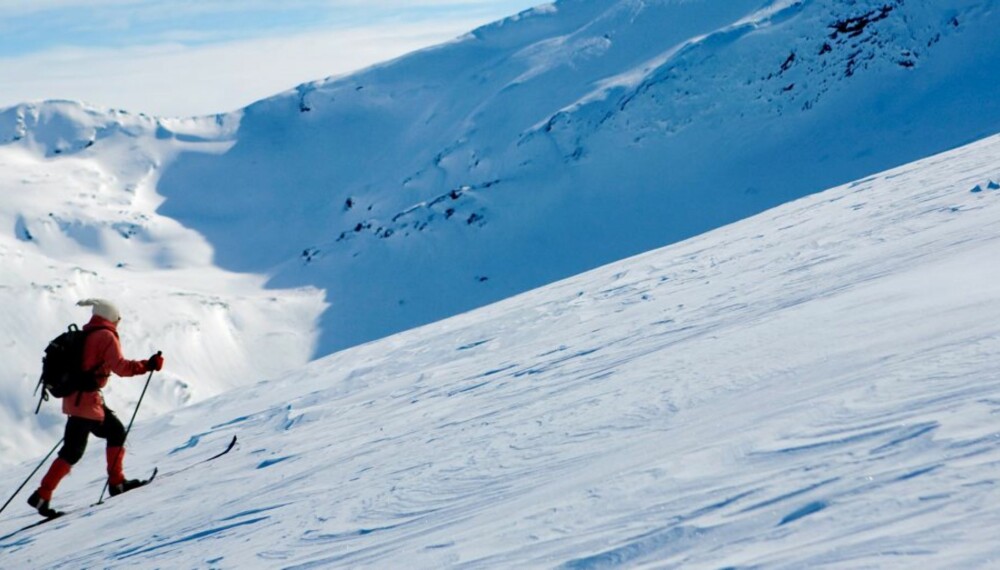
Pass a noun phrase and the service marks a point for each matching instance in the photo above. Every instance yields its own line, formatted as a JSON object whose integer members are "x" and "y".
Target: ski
{"x": 146, "y": 482}
{"x": 229, "y": 448}
{"x": 142, "y": 483}
{"x": 232, "y": 444}
{"x": 152, "y": 476}
{"x": 30, "y": 526}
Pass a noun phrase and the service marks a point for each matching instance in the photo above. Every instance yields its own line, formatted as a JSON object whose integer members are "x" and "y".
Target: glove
{"x": 155, "y": 362}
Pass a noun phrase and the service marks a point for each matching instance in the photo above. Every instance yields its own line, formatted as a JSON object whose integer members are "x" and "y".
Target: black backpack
{"x": 62, "y": 367}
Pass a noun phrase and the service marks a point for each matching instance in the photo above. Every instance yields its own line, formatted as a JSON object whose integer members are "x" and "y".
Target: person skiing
{"x": 88, "y": 414}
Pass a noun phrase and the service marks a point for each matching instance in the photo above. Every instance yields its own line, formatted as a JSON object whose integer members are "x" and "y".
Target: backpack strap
{"x": 92, "y": 373}
{"x": 86, "y": 335}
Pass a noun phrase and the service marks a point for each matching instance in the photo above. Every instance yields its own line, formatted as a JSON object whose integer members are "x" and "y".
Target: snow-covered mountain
{"x": 812, "y": 387}
{"x": 574, "y": 135}
{"x": 549, "y": 143}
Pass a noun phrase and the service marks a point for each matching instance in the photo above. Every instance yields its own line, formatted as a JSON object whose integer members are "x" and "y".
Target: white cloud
{"x": 21, "y": 7}
{"x": 178, "y": 80}
{"x": 197, "y": 57}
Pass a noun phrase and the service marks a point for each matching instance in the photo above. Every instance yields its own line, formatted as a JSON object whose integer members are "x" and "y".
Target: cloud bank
{"x": 187, "y": 58}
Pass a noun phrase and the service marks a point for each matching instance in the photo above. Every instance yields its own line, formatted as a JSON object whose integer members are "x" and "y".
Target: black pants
{"x": 79, "y": 429}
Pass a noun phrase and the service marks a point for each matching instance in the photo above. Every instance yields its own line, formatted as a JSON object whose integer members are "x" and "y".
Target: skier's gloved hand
{"x": 155, "y": 362}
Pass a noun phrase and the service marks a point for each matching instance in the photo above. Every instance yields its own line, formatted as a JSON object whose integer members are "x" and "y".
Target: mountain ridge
{"x": 543, "y": 165}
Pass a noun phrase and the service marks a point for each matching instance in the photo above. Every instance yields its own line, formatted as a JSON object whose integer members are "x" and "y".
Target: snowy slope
{"x": 812, "y": 387}
{"x": 563, "y": 138}
{"x": 572, "y": 136}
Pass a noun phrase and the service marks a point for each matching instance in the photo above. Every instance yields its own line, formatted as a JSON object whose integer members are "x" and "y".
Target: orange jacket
{"x": 101, "y": 352}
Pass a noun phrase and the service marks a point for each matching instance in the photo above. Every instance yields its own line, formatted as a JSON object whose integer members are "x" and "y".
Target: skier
{"x": 88, "y": 414}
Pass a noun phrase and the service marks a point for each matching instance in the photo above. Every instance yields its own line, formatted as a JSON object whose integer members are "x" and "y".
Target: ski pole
{"x": 30, "y": 476}
{"x": 139, "y": 403}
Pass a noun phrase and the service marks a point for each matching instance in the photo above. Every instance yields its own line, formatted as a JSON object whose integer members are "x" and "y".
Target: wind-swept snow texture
{"x": 812, "y": 387}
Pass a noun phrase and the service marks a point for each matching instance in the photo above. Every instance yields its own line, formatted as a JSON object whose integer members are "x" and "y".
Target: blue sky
{"x": 196, "y": 57}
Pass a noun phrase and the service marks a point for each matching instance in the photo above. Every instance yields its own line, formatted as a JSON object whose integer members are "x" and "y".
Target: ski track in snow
{"x": 811, "y": 387}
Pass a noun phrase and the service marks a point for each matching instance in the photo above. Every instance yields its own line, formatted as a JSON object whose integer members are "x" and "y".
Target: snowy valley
{"x": 82, "y": 226}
